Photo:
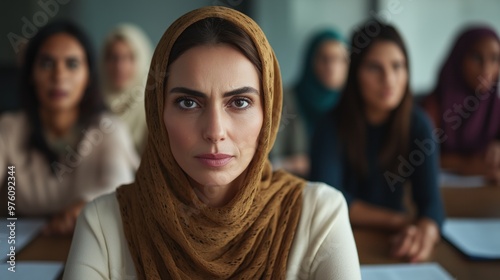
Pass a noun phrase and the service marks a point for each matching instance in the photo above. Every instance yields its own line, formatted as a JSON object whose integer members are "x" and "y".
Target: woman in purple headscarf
{"x": 465, "y": 104}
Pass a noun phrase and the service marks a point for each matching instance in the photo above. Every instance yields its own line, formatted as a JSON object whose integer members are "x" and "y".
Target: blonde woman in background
{"x": 125, "y": 65}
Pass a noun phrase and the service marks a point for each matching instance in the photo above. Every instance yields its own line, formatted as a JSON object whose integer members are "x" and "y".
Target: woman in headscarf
{"x": 376, "y": 141}
{"x": 63, "y": 149}
{"x": 465, "y": 104}
{"x": 318, "y": 91}
{"x": 205, "y": 203}
{"x": 125, "y": 65}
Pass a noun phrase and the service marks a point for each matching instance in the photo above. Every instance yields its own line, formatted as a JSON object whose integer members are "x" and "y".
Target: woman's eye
{"x": 398, "y": 66}
{"x": 240, "y": 103}
{"x": 373, "y": 67}
{"x": 187, "y": 103}
{"x": 46, "y": 63}
{"x": 72, "y": 64}
{"x": 476, "y": 57}
{"x": 495, "y": 58}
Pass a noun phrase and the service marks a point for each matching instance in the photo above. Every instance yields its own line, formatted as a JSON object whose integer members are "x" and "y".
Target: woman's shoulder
{"x": 103, "y": 215}
{"x": 113, "y": 128}
{"x": 99, "y": 237}
{"x": 104, "y": 209}
{"x": 328, "y": 120}
{"x": 322, "y": 201}
{"x": 13, "y": 127}
{"x": 107, "y": 120}
{"x": 323, "y": 232}
{"x": 13, "y": 119}
{"x": 322, "y": 206}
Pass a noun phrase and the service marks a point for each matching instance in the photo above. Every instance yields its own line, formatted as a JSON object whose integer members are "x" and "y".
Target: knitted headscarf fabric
{"x": 171, "y": 233}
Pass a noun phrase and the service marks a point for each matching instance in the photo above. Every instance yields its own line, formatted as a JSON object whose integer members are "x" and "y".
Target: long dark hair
{"x": 211, "y": 31}
{"x": 350, "y": 111}
{"x": 91, "y": 104}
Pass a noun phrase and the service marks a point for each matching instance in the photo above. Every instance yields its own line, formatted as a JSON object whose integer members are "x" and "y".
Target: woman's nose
{"x": 214, "y": 125}
{"x": 59, "y": 72}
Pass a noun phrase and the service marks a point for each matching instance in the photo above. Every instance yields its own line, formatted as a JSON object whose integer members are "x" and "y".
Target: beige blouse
{"x": 104, "y": 159}
{"x": 323, "y": 246}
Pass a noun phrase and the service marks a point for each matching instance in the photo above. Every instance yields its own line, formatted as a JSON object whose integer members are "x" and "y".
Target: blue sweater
{"x": 381, "y": 187}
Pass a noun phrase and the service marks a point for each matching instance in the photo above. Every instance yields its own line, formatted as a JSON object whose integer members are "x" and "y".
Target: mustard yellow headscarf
{"x": 171, "y": 233}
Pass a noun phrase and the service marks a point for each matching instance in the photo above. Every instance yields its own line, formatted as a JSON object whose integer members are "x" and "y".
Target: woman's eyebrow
{"x": 241, "y": 90}
{"x": 187, "y": 91}
{"x": 196, "y": 93}
{"x": 44, "y": 56}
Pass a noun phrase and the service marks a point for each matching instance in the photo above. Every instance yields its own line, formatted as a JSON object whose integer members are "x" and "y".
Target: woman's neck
{"x": 58, "y": 123}
{"x": 217, "y": 195}
{"x": 376, "y": 116}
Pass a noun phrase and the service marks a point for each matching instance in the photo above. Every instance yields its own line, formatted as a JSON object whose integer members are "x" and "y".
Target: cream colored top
{"x": 323, "y": 246}
{"x": 104, "y": 159}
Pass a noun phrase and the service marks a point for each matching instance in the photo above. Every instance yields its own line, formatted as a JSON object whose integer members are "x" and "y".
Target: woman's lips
{"x": 57, "y": 94}
{"x": 214, "y": 160}
{"x": 386, "y": 94}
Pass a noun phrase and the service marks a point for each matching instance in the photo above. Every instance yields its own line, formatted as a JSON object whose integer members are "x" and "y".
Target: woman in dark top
{"x": 375, "y": 141}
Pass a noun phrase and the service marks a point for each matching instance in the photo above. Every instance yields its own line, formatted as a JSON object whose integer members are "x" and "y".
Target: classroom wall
{"x": 430, "y": 27}
{"x": 289, "y": 23}
{"x": 97, "y": 17}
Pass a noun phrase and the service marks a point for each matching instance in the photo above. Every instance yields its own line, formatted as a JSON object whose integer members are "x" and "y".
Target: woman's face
{"x": 213, "y": 113}
{"x": 331, "y": 63}
{"x": 120, "y": 64}
{"x": 383, "y": 76}
{"x": 60, "y": 73}
{"x": 481, "y": 64}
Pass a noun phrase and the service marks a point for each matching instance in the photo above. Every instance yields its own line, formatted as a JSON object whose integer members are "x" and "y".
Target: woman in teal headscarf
{"x": 317, "y": 92}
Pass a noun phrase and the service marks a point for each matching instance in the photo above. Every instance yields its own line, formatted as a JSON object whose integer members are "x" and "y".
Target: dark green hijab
{"x": 314, "y": 99}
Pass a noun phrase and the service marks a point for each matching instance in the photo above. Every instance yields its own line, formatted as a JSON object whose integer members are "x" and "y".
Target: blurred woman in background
{"x": 466, "y": 104}
{"x": 125, "y": 65}
{"x": 65, "y": 148}
{"x": 370, "y": 145}
{"x": 318, "y": 91}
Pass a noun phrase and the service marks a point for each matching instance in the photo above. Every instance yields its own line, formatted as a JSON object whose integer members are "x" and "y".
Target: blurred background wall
{"x": 428, "y": 26}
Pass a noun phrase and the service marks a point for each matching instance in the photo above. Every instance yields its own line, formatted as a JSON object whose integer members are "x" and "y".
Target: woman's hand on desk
{"x": 416, "y": 242}
{"x": 64, "y": 222}
{"x": 297, "y": 164}
{"x": 492, "y": 160}
{"x": 368, "y": 215}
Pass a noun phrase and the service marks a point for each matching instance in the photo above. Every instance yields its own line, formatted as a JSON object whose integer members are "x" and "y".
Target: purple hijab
{"x": 473, "y": 133}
